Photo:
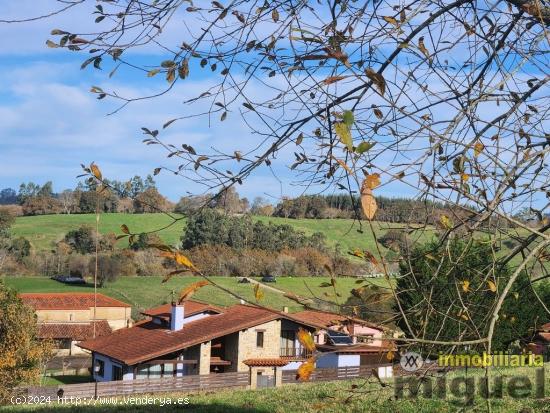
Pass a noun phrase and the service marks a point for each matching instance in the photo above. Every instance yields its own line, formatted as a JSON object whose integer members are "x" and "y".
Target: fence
{"x": 185, "y": 384}
{"x": 188, "y": 384}
{"x": 340, "y": 373}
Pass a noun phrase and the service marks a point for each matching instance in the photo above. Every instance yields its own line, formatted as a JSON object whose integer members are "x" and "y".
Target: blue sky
{"x": 50, "y": 123}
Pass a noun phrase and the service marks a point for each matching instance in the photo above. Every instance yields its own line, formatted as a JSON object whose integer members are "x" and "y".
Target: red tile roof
{"x": 75, "y": 331}
{"x": 68, "y": 301}
{"x": 149, "y": 340}
{"x": 190, "y": 307}
{"x": 268, "y": 362}
{"x": 325, "y": 319}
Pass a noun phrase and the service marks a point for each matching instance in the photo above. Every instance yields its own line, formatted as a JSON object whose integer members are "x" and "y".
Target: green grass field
{"x": 45, "y": 230}
{"x": 330, "y": 397}
{"x": 145, "y": 292}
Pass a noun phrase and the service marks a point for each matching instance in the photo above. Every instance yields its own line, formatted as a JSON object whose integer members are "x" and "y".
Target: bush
{"x": 395, "y": 240}
{"x": 112, "y": 266}
{"x": 20, "y": 248}
{"x": 81, "y": 240}
{"x": 148, "y": 263}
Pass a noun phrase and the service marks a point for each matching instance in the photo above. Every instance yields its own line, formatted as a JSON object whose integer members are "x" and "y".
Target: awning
{"x": 267, "y": 362}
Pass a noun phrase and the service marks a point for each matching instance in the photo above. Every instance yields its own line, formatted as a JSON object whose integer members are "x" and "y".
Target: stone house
{"x": 69, "y": 318}
{"x": 198, "y": 338}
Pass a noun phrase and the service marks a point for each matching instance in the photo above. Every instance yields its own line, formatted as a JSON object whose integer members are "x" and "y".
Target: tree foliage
{"x": 22, "y": 354}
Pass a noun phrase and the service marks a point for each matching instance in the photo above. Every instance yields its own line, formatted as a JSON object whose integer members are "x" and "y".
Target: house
{"x": 198, "y": 338}
{"x": 69, "y": 318}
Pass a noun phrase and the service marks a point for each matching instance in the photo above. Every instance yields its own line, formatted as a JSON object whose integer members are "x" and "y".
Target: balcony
{"x": 295, "y": 353}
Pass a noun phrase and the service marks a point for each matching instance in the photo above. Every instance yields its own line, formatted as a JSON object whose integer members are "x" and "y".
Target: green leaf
{"x": 344, "y": 133}
{"x": 348, "y": 118}
{"x": 364, "y": 147}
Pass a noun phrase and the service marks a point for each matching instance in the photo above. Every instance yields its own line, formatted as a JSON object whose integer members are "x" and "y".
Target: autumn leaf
{"x": 390, "y": 355}
{"x": 423, "y": 49}
{"x": 183, "y": 260}
{"x": 306, "y": 368}
{"x": 333, "y": 79}
{"x": 378, "y": 113}
{"x": 124, "y": 228}
{"x": 391, "y": 20}
{"x": 492, "y": 286}
{"x": 258, "y": 293}
{"x": 377, "y": 79}
{"x": 306, "y": 340}
{"x": 188, "y": 291}
{"x": 51, "y": 44}
{"x": 344, "y": 133}
{"x": 96, "y": 171}
{"x": 478, "y": 148}
{"x": 446, "y": 221}
{"x": 153, "y": 72}
{"x": 368, "y": 204}
{"x": 371, "y": 181}
{"x": 465, "y": 286}
{"x": 275, "y": 15}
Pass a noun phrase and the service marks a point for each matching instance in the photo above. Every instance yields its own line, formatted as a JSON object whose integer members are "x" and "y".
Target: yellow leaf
{"x": 516, "y": 295}
{"x": 377, "y": 79}
{"x": 258, "y": 293}
{"x": 478, "y": 148}
{"x": 304, "y": 371}
{"x": 465, "y": 286}
{"x": 96, "y": 171}
{"x": 492, "y": 286}
{"x": 305, "y": 338}
{"x": 423, "y": 48}
{"x": 188, "y": 291}
{"x": 391, "y": 20}
{"x": 343, "y": 132}
{"x": 446, "y": 221}
{"x": 464, "y": 177}
{"x": 368, "y": 204}
{"x": 371, "y": 181}
{"x": 390, "y": 355}
{"x": 183, "y": 260}
{"x": 153, "y": 72}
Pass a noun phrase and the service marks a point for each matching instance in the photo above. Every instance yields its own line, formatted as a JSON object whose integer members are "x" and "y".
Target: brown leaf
{"x": 275, "y": 15}
{"x": 306, "y": 340}
{"x": 368, "y": 204}
{"x": 188, "y": 291}
{"x": 96, "y": 171}
{"x": 371, "y": 181}
{"x": 377, "y": 79}
{"x": 478, "y": 148}
{"x": 183, "y": 260}
{"x": 423, "y": 49}
{"x": 124, "y": 228}
{"x": 333, "y": 79}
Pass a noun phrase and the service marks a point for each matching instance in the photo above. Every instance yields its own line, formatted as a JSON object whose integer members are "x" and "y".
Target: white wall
{"x": 332, "y": 361}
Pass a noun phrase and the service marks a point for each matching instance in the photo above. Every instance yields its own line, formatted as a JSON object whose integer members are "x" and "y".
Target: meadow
{"x": 44, "y": 231}
{"x": 146, "y": 292}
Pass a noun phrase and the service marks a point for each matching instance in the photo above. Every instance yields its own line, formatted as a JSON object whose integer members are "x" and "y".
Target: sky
{"x": 51, "y": 123}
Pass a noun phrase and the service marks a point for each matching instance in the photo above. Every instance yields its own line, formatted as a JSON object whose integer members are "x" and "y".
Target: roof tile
{"x": 68, "y": 301}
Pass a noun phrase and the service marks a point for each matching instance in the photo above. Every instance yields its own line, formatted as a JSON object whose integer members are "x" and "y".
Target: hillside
{"x": 145, "y": 292}
{"x": 44, "y": 230}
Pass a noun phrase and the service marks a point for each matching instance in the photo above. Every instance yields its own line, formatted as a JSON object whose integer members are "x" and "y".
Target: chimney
{"x": 176, "y": 316}
{"x": 285, "y": 309}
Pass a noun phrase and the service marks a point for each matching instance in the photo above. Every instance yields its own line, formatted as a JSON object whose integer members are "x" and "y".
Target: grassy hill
{"x": 145, "y": 292}
{"x": 45, "y": 230}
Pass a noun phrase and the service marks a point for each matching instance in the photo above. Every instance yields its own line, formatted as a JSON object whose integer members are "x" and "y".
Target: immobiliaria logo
{"x": 463, "y": 387}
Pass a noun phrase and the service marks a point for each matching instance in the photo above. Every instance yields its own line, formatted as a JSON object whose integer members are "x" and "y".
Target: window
{"x": 259, "y": 338}
{"x": 117, "y": 373}
{"x": 99, "y": 368}
{"x": 288, "y": 343}
{"x": 368, "y": 338}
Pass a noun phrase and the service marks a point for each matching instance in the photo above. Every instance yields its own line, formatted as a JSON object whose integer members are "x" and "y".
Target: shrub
{"x": 148, "y": 263}
{"x": 81, "y": 240}
{"x": 20, "y": 247}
